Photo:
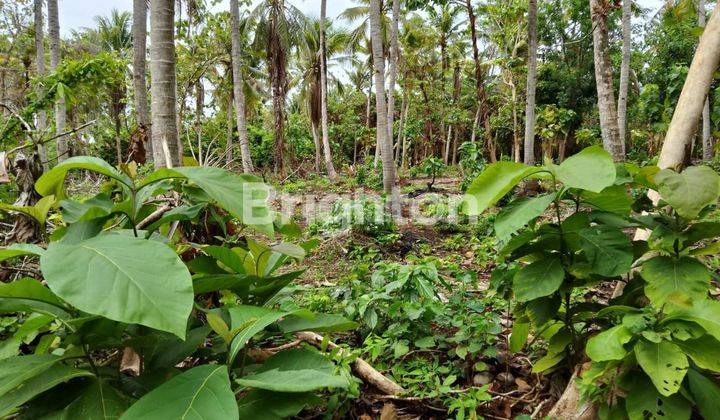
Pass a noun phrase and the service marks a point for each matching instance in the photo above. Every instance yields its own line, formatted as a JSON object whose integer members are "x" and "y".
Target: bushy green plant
{"x": 189, "y": 311}
{"x": 656, "y": 341}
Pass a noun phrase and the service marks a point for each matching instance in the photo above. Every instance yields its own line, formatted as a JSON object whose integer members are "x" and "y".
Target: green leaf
{"x": 664, "y": 363}
{"x": 98, "y": 401}
{"x": 75, "y": 211}
{"x": 425, "y": 342}
{"x": 690, "y": 191}
{"x": 493, "y": 183}
{"x": 519, "y": 213}
{"x": 202, "y": 392}
{"x": 110, "y": 276}
{"x": 613, "y": 199}
{"x": 705, "y": 313}
{"x": 38, "y": 212}
{"x": 543, "y": 309}
{"x": 51, "y": 182}
{"x": 669, "y": 278}
{"x": 27, "y": 288}
{"x": 228, "y": 257}
{"x": 25, "y": 333}
{"x": 547, "y": 362}
{"x": 643, "y": 402}
{"x": 320, "y": 323}
{"x": 519, "y": 336}
{"x": 245, "y": 322}
{"x": 608, "y": 251}
{"x": 31, "y": 386}
{"x": 243, "y": 196}
{"x": 16, "y": 370}
{"x": 705, "y": 392}
{"x": 296, "y": 370}
{"x": 608, "y": 345}
{"x": 592, "y": 169}
{"x": 213, "y": 282}
{"x": 178, "y": 213}
{"x": 541, "y": 278}
{"x": 267, "y": 405}
{"x": 19, "y": 250}
{"x": 703, "y": 351}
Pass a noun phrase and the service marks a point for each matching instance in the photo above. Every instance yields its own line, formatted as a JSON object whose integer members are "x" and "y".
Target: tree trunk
{"x": 60, "y": 113}
{"x": 139, "y": 32}
{"x": 604, "y": 80}
{"x": 529, "y": 145}
{"x": 199, "y": 112}
{"x": 162, "y": 89}
{"x": 230, "y": 130}
{"x": 707, "y": 140}
{"x": 690, "y": 106}
{"x": 323, "y": 95}
{"x": 238, "y": 91}
{"x": 368, "y": 110}
{"x": 401, "y": 125}
{"x": 41, "y": 125}
{"x": 316, "y": 140}
{"x": 624, "y": 72}
{"x": 393, "y": 70}
{"x": 382, "y": 124}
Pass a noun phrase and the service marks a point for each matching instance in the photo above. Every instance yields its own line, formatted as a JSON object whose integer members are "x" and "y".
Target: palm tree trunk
{"x": 706, "y": 122}
{"x": 323, "y": 95}
{"x": 40, "y": 64}
{"x": 139, "y": 32}
{"x": 238, "y": 91}
{"x": 393, "y": 70}
{"x": 529, "y": 144}
{"x": 607, "y": 106}
{"x": 316, "y": 140}
{"x": 60, "y": 112}
{"x": 624, "y": 71}
{"x": 401, "y": 126}
{"x": 230, "y": 130}
{"x": 162, "y": 89}
{"x": 382, "y": 123}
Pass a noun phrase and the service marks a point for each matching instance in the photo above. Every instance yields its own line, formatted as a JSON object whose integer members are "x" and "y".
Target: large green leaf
{"x": 519, "y": 336}
{"x": 643, "y": 402}
{"x": 613, "y": 199}
{"x": 519, "y": 213}
{"x": 38, "y": 211}
{"x": 705, "y": 313}
{"x": 248, "y": 321}
{"x": 319, "y": 323}
{"x": 29, "y": 388}
{"x": 592, "y": 169}
{"x": 51, "y": 182}
{"x": 98, "y": 401}
{"x": 98, "y": 206}
{"x": 19, "y": 250}
{"x": 609, "y": 345}
{"x": 541, "y": 278}
{"x": 665, "y": 364}
{"x": 608, "y": 250}
{"x": 493, "y": 183}
{"x": 690, "y": 191}
{"x": 267, "y": 405}
{"x": 123, "y": 278}
{"x": 703, "y": 351}
{"x": 706, "y": 394}
{"x": 31, "y": 289}
{"x": 16, "y": 370}
{"x": 244, "y": 196}
{"x": 202, "y": 392}
{"x": 669, "y": 278}
{"x": 296, "y": 370}
{"x": 207, "y": 283}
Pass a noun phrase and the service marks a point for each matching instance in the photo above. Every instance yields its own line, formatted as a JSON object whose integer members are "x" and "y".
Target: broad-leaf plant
{"x": 187, "y": 294}
{"x": 653, "y": 347}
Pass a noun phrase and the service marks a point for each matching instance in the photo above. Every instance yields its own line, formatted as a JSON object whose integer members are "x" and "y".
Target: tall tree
{"x": 60, "y": 112}
{"x": 323, "y": 94}
{"x": 624, "y": 71}
{"x": 394, "y": 63}
{"x": 139, "y": 35}
{"x": 529, "y": 144}
{"x": 163, "y": 86}
{"x": 238, "y": 84}
{"x": 40, "y": 64}
{"x": 388, "y": 163}
{"x": 607, "y": 105}
{"x": 278, "y": 28}
{"x": 707, "y": 140}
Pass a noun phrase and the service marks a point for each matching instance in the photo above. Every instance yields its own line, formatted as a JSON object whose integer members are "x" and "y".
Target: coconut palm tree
{"x": 60, "y": 111}
{"x": 40, "y": 64}
{"x": 323, "y": 92}
{"x": 238, "y": 91}
{"x": 529, "y": 143}
{"x": 278, "y": 27}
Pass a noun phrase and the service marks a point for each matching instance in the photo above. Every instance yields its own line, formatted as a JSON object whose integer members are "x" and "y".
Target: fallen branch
{"x": 154, "y": 216}
{"x": 361, "y": 368}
